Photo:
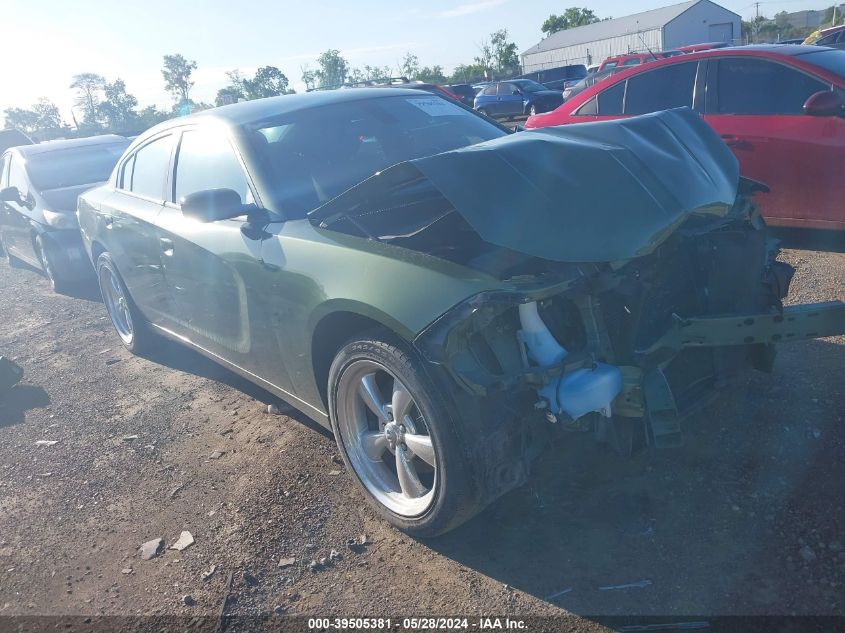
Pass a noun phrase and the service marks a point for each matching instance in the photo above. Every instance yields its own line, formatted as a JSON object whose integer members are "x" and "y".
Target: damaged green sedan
{"x": 440, "y": 292}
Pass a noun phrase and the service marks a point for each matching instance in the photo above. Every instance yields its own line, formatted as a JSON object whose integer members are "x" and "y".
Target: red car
{"x": 781, "y": 109}
{"x": 635, "y": 59}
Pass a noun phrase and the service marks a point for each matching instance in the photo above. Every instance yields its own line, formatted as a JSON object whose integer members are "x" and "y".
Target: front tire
{"x": 397, "y": 436}
{"x": 127, "y": 320}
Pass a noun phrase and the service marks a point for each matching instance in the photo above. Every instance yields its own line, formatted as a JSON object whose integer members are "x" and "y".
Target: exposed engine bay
{"x": 635, "y": 298}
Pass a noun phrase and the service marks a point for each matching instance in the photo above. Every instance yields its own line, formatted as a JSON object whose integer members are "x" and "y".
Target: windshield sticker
{"x": 435, "y": 106}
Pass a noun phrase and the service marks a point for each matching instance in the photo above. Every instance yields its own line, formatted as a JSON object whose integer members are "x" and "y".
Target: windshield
{"x": 313, "y": 155}
{"x": 74, "y": 166}
{"x": 526, "y": 85}
{"x": 832, "y": 60}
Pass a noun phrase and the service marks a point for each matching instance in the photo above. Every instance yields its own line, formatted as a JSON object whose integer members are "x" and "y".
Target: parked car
{"x": 517, "y": 97}
{"x": 779, "y": 108}
{"x": 589, "y": 81}
{"x": 39, "y": 187}
{"x": 833, "y": 37}
{"x": 464, "y": 92}
{"x": 12, "y": 138}
{"x": 401, "y": 269}
{"x": 636, "y": 59}
{"x": 557, "y": 78}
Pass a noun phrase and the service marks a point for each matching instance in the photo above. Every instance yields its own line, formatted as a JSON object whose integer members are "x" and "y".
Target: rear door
{"x": 128, "y": 227}
{"x": 756, "y": 105}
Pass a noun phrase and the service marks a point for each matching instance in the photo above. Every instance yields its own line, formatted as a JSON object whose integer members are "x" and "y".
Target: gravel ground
{"x": 745, "y": 518}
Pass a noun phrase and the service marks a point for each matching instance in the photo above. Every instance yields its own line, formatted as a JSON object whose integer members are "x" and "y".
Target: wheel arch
{"x": 335, "y": 326}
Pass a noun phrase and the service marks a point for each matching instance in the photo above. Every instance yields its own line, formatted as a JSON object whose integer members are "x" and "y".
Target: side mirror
{"x": 211, "y": 205}
{"x": 10, "y": 194}
{"x": 825, "y": 103}
{"x": 516, "y": 91}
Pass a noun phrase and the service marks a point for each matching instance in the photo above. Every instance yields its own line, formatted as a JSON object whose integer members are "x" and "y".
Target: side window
{"x": 829, "y": 40}
{"x": 489, "y": 90}
{"x": 661, "y": 89}
{"x": 505, "y": 89}
{"x": 590, "y": 108}
{"x": 610, "y": 100}
{"x": 609, "y": 65}
{"x": 636, "y": 61}
{"x": 756, "y": 86}
{"x": 17, "y": 176}
{"x": 206, "y": 160}
{"x": 151, "y": 164}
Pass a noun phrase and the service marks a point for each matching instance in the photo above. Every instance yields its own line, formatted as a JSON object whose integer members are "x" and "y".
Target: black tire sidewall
{"x": 455, "y": 496}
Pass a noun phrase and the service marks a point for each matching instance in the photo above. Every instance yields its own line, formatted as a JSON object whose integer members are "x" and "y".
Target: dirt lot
{"x": 746, "y": 518}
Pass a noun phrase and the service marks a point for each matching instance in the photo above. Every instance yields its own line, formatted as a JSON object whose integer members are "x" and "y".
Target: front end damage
{"x": 636, "y": 278}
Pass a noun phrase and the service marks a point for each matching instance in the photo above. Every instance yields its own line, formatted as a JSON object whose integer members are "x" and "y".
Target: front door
{"x": 214, "y": 271}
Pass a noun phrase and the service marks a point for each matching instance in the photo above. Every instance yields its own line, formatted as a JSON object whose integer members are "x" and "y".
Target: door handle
{"x": 166, "y": 246}
{"x": 731, "y": 140}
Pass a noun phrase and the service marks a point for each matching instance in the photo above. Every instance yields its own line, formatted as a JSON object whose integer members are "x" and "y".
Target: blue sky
{"x": 48, "y": 41}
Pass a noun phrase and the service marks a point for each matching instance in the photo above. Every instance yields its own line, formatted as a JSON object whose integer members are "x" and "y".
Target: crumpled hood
{"x": 592, "y": 192}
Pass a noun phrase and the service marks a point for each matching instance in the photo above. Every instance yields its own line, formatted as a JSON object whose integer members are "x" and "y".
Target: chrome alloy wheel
{"x": 386, "y": 438}
{"x": 116, "y": 304}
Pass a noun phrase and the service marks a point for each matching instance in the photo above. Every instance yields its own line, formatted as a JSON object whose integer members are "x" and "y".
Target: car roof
{"x": 53, "y": 146}
{"x": 249, "y": 111}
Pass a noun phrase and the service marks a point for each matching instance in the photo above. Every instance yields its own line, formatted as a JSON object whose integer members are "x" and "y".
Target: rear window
{"x": 74, "y": 166}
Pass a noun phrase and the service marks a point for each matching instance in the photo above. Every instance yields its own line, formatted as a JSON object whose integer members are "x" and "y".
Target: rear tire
{"x": 131, "y": 327}
{"x": 43, "y": 251}
{"x": 412, "y": 468}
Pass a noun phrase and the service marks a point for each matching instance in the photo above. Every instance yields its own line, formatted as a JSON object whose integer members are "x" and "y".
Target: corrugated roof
{"x": 647, "y": 20}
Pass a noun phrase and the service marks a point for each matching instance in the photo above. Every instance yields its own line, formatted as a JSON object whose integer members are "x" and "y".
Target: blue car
{"x": 506, "y": 99}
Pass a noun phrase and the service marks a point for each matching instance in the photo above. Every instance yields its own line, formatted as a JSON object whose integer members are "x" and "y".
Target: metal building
{"x": 691, "y": 22}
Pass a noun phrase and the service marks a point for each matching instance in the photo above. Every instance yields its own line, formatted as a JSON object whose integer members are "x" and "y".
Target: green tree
{"x": 150, "y": 116}
{"x": 485, "y": 58}
{"x": 467, "y": 73}
{"x": 177, "y": 73}
{"x": 505, "y": 57}
{"x": 332, "y": 70}
{"x": 268, "y": 81}
{"x": 88, "y": 87}
{"x": 118, "y": 108}
{"x": 572, "y": 17}
{"x": 433, "y": 75}
{"x": 409, "y": 66}
{"x": 309, "y": 77}
{"x": 21, "y": 119}
{"x": 42, "y": 121}
{"x": 829, "y": 20}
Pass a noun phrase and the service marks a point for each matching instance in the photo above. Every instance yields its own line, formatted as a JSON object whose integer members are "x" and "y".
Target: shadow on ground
{"x": 694, "y": 530}
{"x": 184, "y": 359}
{"x": 20, "y": 399}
